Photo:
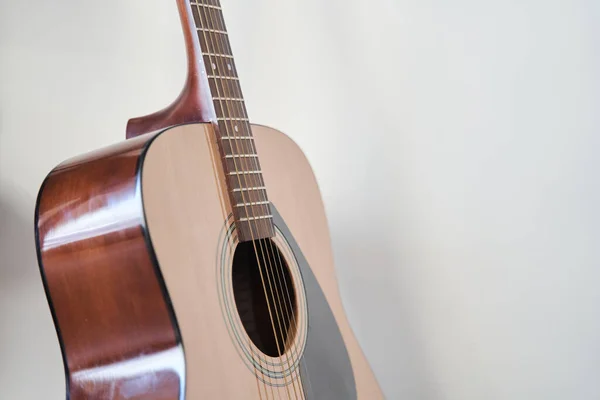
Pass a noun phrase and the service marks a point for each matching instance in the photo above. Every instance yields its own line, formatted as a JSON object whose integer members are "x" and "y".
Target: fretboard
{"x": 247, "y": 191}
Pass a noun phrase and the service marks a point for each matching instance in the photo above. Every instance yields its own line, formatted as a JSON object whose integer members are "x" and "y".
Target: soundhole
{"x": 264, "y": 295}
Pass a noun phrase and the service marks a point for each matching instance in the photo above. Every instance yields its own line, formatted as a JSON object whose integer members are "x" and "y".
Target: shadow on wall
{"x": 17, "y": 246}
{"x": 368, "y": 266}
{"x": 28, "y": 343}
{"x": 18, "y": 267}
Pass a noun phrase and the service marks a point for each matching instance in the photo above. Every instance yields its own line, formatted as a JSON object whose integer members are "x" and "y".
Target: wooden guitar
{"x": 179, "y": 265}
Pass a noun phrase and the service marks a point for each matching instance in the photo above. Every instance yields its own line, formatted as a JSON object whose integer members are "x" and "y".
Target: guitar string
{"x": 265, "y": 244}
{"x": 238, "y": 106}
{"x": 294, "y": 324}
{"x": 249, "y": 215}
{"x": 277, "y": 265}
{"x": 200, "y": 7}
{"x": 277, "y": 261}
{"x": 291, "y": 322}
{"x": 271, "y": 257}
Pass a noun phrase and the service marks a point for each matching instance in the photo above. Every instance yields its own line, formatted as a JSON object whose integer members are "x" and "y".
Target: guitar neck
{"x": 248, "y": 194}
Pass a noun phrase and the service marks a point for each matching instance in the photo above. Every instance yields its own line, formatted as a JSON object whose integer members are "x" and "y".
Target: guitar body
{"x": 139, "y": 256}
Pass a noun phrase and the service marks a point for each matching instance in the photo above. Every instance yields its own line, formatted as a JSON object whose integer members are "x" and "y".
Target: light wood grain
{"x": 186, "y": 208}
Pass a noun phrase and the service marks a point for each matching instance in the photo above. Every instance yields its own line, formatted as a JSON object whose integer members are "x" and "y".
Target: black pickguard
{"x": 325, "y": 366}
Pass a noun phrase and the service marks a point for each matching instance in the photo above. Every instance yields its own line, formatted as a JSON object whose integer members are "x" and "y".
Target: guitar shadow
{"x": 17, "y": 247}
{"x": 380, "y": 312}
{"x": 28, "y": 342}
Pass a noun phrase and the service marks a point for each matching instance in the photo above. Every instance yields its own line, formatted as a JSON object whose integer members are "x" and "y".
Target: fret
{"x": 208, "y": 18}
{"x": 246, "y": 210}
{"x": 248, "y": 189}
{"x": 207, "y": 2}
{"x": 241, "y": 156}
{"x": 212, "y": 30}
{"x": 195, "y": 3}
{"x": 237, "y": 137}
{"x": 248, "y": 213}
{"x": 253, "y": 172}
{"x": 227, "y": 99}
{"x": 241, "y": 161}
{"x": 237, "y": 181}
{"x": 238, "y": 147}
{"x": 256, "y": 218}
{"x": 227, "y": 56}
{"x": 242, "y": 174}
{"x": 225, "y": 91}
{"x": 219, "y": 57}
{"x": 233, "y": 78}
{"x": 230, "y": 122}
{"x": 249, "y": 196}
{"x": 263, "y": 207}
{"x": 245, "y": 167}
{"x": 256, "y": 203}
{"x": 253, "y": 196}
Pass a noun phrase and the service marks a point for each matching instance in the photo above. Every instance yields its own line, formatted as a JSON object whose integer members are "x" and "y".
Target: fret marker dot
{"x": 229, "y": 67}
{"x": 236, "y": 128}
{"x": 214, "y": 66}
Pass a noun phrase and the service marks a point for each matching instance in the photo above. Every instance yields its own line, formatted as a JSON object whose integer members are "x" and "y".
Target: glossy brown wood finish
{"x": 194, "y": 104}
{"x": 116, "y": 328}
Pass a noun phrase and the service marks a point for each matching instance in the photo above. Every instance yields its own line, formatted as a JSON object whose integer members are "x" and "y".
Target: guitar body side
{"x": 117, "y": 333}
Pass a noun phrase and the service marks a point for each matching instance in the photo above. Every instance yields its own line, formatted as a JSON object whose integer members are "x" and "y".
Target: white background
{"x": 456, "y": 144}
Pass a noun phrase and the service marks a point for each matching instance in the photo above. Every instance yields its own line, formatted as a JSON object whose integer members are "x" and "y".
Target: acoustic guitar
{"x": 193, "y": 260}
